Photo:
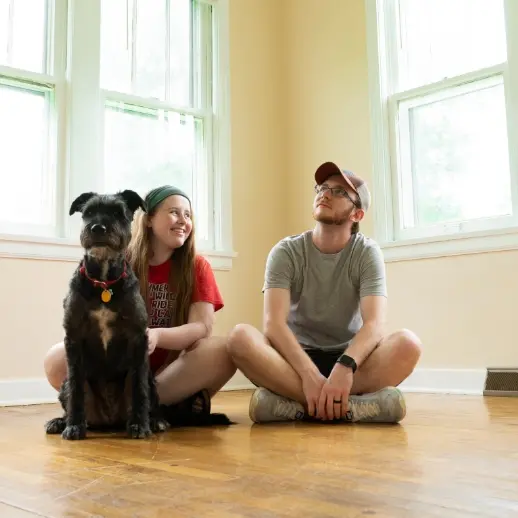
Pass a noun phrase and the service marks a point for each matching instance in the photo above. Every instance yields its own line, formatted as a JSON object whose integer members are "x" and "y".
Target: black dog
{"x": 109, "y": 382}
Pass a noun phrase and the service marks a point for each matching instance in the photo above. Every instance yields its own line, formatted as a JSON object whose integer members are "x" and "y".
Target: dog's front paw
{"x": 138, "y": 430}
{"x": 74, "y": 432}
{"x": 55, "y": 426}
{"x": 158, "y": 425}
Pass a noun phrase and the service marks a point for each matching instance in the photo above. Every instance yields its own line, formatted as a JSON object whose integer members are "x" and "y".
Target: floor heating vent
{"x": 501, "y": 382}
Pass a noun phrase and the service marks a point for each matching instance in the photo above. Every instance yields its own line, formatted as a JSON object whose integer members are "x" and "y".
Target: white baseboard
{"x": 37, "y": 391}
{"x": 28, "y": 391}
{"x": 446, "y": 381}
{"x": 34, "y": 391}
{"x": 431, "y": 381}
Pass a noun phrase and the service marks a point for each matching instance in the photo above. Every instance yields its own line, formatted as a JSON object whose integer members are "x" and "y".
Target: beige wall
{"x": 328, "y": 96}
{"x": 464, "y": 308}
{"x": 299, "y": 95}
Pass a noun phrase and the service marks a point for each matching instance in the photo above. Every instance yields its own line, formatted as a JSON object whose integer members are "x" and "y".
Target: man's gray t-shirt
{"x": 326, "y": 288}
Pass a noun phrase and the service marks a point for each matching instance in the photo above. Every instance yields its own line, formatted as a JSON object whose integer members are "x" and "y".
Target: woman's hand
{"x": 153, "y": 339}
{"x": 183, "y": 337}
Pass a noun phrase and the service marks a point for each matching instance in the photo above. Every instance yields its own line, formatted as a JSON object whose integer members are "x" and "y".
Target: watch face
{"x": 347, "y": 361}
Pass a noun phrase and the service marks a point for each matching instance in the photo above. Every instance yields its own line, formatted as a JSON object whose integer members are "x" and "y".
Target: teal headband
{"x": 159, "y": 194}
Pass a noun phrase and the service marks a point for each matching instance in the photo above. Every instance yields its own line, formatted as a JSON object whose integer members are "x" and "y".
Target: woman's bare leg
{"x": 55, "y": 365}
{"x": 207, "y": 366}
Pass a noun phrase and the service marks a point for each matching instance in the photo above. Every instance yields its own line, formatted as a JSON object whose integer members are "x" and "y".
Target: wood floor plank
{"x": 452, "y": 457}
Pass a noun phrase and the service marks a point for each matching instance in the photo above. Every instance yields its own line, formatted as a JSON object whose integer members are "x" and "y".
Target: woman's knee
{"x": 55, "y": 365}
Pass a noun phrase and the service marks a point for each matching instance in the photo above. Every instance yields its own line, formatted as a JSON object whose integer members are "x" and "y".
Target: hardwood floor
{"x": 451, "y": 457}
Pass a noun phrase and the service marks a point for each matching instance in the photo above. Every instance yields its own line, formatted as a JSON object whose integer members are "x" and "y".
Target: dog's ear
{"x": 132, "y": 200}
{"x": 79, "y": 203}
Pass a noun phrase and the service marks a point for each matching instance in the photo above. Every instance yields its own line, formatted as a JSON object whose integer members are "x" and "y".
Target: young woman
{"x": 182, "y": 296}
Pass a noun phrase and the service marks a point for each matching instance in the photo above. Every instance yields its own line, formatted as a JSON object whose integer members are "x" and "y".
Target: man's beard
{"x": 337, "y": 220}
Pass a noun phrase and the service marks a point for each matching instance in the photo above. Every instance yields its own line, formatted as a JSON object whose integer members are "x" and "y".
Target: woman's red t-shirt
{"x": 163, "y": 302}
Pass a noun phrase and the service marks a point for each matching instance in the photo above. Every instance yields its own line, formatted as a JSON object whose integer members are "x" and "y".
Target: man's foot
{"x": 384, "y": 406}
{"x": 266, "y": 406}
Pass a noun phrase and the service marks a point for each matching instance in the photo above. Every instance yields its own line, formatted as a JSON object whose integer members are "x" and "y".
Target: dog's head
{"x": 107, "y": 219}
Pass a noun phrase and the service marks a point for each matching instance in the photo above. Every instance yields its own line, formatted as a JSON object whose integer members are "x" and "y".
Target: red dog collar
{"x": 106, "y": 294}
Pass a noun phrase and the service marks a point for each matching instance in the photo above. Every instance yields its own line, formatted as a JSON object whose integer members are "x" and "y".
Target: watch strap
{"x": 347, "y": 361}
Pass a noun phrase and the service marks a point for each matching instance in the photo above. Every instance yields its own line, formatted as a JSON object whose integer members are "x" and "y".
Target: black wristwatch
{"x": 348, "y": 362}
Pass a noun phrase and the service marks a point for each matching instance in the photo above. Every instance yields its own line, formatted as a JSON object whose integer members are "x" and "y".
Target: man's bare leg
{"x": 262, "y": 364}
{"x": 388, "y": 365}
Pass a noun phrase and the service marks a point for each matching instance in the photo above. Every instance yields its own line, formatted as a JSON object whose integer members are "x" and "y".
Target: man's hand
{"x": 336, "y": 388}
{"x": 153, "y": 339}
{"x": 312, "y": 384}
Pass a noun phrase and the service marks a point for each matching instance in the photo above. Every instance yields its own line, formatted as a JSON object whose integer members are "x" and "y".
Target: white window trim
{"x": 465, "y": 242}
{"x": 83, "y": 123}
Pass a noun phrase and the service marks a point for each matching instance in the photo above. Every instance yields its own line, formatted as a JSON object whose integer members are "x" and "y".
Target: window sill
{"x": 445, "y": 246}
{"x": 65, "y": 250}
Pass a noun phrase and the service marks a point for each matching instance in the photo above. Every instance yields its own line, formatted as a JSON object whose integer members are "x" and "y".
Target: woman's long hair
{"x": 181, "y": 278}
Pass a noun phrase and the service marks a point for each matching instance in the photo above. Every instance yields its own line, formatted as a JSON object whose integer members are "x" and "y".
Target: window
{"x": 444, "y": 110}
{"x": 106, "y": 95}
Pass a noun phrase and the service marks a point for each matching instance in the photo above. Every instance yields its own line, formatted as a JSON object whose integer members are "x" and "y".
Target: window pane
{"x": 23, "y": 34}
{"x": 458, "y": 159}
{"x": 4, "y": 32}
{"x": 150, "y": 59}
{"x": 146, "y": 48}
{"x": 27, "y": 183}
{"x": 180, "y": 52}
{"x": 148, "y": 148}
{"x": 116, "y": 44}
{"x": 444, "y": 38}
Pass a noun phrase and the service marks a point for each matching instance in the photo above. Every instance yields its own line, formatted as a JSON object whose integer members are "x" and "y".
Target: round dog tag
{"x": 106, "y": 296}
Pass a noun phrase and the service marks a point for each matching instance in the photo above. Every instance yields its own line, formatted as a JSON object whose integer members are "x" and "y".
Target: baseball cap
{"x": 356, "y": 183}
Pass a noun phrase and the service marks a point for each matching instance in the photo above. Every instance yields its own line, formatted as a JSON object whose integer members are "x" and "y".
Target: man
{"x": 324, "y": 354}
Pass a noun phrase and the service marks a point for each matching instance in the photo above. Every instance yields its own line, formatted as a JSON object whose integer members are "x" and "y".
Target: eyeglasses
{"x": 338, "y": 192}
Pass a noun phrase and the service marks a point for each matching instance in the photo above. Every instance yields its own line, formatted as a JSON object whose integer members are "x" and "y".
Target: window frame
{"x": 448, "y": 239}
{"x": 80, "y": 112}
